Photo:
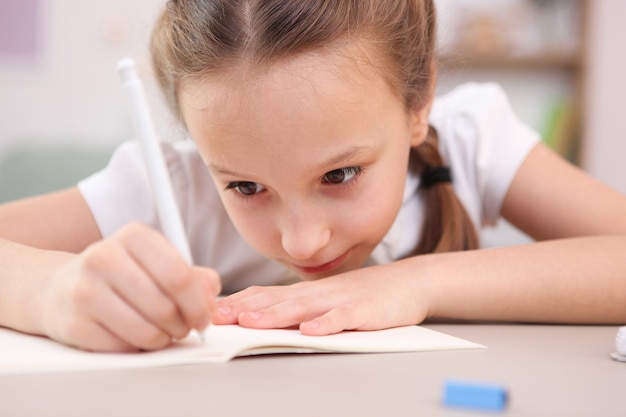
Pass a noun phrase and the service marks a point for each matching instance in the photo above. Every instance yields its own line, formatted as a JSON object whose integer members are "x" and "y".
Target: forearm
{"x": 579, "y": 280}
{"x": 23, "y": 274}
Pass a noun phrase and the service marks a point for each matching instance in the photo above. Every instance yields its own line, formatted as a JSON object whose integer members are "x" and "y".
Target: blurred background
{"x": 63, "y": 109}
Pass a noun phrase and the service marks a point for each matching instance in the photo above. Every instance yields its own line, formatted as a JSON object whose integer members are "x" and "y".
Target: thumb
{"x": 210, "y": 281}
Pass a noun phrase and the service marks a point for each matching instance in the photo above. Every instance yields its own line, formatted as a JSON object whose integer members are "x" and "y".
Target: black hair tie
{"x": 432, "y": 176}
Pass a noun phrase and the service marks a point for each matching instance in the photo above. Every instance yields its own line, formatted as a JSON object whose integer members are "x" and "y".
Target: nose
{"x": 304, "y": 232}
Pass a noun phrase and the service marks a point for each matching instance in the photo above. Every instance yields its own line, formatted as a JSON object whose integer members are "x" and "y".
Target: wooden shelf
{"x": 566, "y": 62}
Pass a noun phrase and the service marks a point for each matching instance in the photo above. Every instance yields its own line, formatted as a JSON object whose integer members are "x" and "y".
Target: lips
{"x": 329, "y": 266}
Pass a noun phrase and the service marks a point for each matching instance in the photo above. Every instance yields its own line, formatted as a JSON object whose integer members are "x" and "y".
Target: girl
{"x": 319, "y": 154}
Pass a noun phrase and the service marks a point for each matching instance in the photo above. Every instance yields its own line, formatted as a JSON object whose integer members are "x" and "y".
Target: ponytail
{"x": 447, "y": 226}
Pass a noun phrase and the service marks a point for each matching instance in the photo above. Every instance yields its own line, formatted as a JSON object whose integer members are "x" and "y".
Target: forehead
{"x": 336, "y": 76}
{"x": 292, "y": 116}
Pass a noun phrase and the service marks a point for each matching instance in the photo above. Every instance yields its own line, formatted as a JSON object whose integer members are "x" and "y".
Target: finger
{"x": 250, "y": 299}
{"x": 244, "y": 294}
{"x": 224, "y": 314}
{"x": 124, "y": 322}
{"x": 211, "y": 284}
{"x": 284, "y": 314}
{"x": 338, "y": 319}
{"x": 87, "y": 335}
{"x": 131, "y": 283}
{"x": 170, "y": 272}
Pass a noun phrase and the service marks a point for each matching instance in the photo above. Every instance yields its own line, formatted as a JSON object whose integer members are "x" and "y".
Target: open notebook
{"x": 20, "y": 353}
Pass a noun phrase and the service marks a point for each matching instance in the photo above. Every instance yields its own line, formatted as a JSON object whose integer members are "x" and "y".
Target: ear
{"x": 419, "y": 122}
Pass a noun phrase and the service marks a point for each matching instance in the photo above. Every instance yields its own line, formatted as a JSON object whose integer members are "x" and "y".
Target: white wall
{"x": 604, "y": 151}
{"x": 71, "y": 92}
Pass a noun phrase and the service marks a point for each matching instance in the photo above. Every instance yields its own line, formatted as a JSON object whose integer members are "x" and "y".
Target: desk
{"x": 550, "y": 371}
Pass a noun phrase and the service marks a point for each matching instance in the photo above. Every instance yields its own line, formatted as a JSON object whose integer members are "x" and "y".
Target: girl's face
{"x": 310, "y": 157}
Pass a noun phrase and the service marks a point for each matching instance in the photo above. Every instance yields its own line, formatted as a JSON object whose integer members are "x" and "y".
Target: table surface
{"x": 548, "y": 370}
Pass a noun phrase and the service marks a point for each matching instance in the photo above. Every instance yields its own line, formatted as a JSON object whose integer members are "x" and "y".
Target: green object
{"x": 562, "y": 128}
{"x": 28, "y": 171}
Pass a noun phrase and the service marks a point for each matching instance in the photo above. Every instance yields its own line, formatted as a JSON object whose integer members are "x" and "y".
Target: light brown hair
{"x": 194, "y": 39}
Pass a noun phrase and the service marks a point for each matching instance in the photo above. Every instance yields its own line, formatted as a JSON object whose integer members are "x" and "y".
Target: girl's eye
{"x": 342, "y": 175}
{"x": 245, "y": 188}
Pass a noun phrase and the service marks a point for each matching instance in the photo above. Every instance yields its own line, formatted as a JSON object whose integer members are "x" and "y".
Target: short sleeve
{"x": 120, "y": 193}
{"x": 485, "y": 144}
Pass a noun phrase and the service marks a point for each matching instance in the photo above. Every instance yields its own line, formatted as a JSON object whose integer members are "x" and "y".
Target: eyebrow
{"x": 347, "y": 156}
{"x": 344, "y": 157}
{"x": 221, "y": 170}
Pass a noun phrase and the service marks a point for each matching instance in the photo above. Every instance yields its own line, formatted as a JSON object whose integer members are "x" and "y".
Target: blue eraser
{"x": 480, "y": 396}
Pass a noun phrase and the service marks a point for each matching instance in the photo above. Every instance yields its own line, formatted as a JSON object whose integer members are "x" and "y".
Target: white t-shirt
{"x": 480, "y": 138}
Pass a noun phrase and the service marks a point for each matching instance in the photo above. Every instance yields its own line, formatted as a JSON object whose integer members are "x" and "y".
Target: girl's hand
{"x": 366, "y": 299}
{"x": 130, "y": 292}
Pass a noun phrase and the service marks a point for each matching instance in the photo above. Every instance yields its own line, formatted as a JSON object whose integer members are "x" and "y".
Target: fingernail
{"x": 254, "y": 315}
{"x": 314, "y": 324}
{"x": 225, "y": 310}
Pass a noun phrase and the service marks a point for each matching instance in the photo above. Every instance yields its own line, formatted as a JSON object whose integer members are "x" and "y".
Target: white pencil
{"x": 167, "y": 209}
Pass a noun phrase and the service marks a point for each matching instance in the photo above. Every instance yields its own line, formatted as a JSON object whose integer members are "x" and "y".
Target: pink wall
{"x": 19, "y": 27}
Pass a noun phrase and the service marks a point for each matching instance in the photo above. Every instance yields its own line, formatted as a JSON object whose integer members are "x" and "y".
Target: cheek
{"x": 253, "y": 226}
{"x": 370, "y": 218}
{"x": 385, "y": 198}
